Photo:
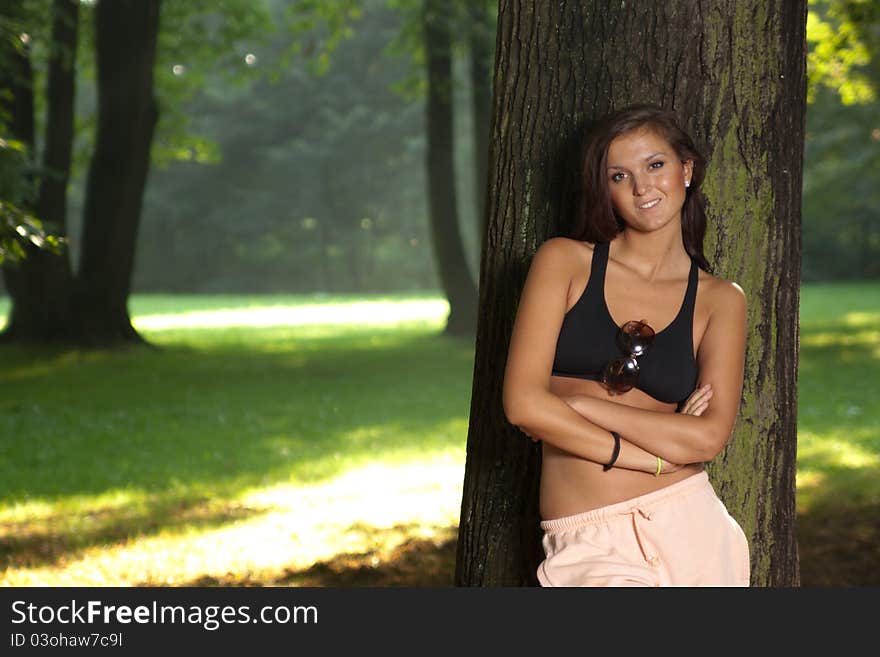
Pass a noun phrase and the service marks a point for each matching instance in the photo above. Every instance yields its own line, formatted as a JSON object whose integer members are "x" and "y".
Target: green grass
{"x": 838, "y": 384}
{"x": 215, "y": 411}
{"x": 839, "y": 435}
{"x": 255, "y": 404}
{"x": 99, "y": 446}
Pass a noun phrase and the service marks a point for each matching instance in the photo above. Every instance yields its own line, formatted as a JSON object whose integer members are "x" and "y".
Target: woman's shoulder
{"x": 565, "y": 255}
{"x": 565, "y": 247}
{"x": 720, "y": 292}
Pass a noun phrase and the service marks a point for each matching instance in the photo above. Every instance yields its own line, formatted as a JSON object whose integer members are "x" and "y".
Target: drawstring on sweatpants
{"x": 638, "y": 514}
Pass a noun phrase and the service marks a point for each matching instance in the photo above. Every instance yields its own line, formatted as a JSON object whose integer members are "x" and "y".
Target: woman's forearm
{"x": 633, "y": 457}
{"x": 675, "y": 437}
{"x": 549, "y": 418}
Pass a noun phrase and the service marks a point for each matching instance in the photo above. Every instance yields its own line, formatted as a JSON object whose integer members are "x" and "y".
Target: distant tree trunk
{"x": 126, "y": 32}
{"x": 40, "y": 286}
{"x": 481, "y": 44}
{"x": 445, "y": 233}
{"x": 734, "y": 72}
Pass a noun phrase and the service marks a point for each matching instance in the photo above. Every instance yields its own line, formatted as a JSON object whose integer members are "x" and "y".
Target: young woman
{"x": 621, "y": 340}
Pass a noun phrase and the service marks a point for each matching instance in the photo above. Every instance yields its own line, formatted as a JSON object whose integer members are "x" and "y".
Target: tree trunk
{"x": 126, "y": 32}
{"x": 445, "y": 233}
{"x": 40, "y": 287}
{"x": 481, "y": 44}
{"x": 735, "y": 74}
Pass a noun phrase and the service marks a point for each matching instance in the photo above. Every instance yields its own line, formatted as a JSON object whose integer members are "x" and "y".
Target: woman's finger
{"x": 701, "y": 393}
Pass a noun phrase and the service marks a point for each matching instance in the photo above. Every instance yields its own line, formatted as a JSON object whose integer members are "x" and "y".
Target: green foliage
{"x": 841, "y": 189}
{"x": 315, "y": 178}
{"x": 842, "y": 37}
{"x": 224, "y": 44}
{"x": 19, "y": 229}
{"x": 320, "y": 187}
{"x": 409, "y": 44}
{"x": 202, "y": 42}
{"x": 318, "y": 27}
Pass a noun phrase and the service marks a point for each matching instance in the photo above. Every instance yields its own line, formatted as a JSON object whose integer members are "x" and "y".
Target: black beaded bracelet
{"x": 614, "y": 454}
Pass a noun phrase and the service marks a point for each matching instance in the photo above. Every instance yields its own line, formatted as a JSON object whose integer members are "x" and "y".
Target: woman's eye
{"x": 657, "y": 164}
{"x": 617, "y": 177}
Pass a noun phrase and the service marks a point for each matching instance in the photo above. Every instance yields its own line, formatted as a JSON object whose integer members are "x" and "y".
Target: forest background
{"x": 289, "y": 158}
{"x": 289, "y": 155}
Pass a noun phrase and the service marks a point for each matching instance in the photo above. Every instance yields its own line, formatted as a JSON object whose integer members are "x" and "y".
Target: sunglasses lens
{"x": 621, "y": 375}
{"x": 634, "y": 338}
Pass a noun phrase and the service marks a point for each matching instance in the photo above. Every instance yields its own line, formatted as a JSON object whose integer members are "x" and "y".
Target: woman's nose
{"x": 639, "y": 185}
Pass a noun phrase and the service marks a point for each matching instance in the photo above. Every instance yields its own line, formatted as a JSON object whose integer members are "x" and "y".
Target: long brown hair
{"x": 596, "y": 219}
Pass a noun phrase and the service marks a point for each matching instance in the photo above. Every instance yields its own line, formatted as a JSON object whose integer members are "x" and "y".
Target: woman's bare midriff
{"x": 570, "y": 484}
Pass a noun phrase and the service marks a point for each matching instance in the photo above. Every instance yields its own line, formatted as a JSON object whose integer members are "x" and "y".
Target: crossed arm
{"x": 580, "y": 424}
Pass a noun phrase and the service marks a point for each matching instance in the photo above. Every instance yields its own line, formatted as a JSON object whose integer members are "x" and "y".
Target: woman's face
{"x": 646, "y": 179}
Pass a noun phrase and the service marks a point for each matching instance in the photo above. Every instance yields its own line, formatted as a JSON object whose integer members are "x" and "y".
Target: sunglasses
{"x": 621, "y": 374}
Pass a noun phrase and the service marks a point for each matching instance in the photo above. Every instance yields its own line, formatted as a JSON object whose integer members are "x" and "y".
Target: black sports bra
{"x": 587, "y": 340}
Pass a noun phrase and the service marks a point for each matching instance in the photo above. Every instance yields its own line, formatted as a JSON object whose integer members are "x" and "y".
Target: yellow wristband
{"x": 659, "y": 467}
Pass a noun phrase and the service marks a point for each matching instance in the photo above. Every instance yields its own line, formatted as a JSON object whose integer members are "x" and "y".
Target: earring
{"x": 687, "y": 183}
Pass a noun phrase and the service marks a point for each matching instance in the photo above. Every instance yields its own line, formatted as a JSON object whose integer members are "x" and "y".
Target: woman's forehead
{"x": 637, "y": 145}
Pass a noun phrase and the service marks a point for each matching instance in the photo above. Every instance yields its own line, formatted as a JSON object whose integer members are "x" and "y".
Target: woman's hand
{"x": 698, "y": 402}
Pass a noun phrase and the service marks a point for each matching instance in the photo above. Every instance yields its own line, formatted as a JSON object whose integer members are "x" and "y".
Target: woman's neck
{"x": 656, "y": 255}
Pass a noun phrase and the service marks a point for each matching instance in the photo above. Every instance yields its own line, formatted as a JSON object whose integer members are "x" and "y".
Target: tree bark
{"x": 40, "y": 287}
{"x": 126, "y": 32}
{"x": 481, "y": 45}
{"x": 445, "y": 232}
{"x": 734, "y": 72}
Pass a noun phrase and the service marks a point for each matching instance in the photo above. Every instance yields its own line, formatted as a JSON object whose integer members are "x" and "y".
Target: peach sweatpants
{"x": 680, "y": 535}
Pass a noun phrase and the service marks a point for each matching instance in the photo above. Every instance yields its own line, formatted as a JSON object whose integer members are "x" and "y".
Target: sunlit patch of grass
{"x": 370, "y": 509}
{"x": 838, "y": 468}
{"x": 364, "y": 313}
{"x": 839, "y": 449}
{"x": 870, "y": 339}
{"x": 808, "y": 484}
{"x": 861, "y": 319}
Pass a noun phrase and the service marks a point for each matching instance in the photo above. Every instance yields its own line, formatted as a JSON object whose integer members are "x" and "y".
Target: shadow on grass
{"x": 839, "y": 533}
{"x": 840, "y": 547}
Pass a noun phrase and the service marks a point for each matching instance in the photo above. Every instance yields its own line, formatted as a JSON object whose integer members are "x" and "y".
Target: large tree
{"x": 126, "y": 34}
{"x": 734, "y": 71}
{"x": 41, "y": 284}
{"x": 481, "y": 50}
{"x": 47, "y": 302}
{"x": 455, "y": 278}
